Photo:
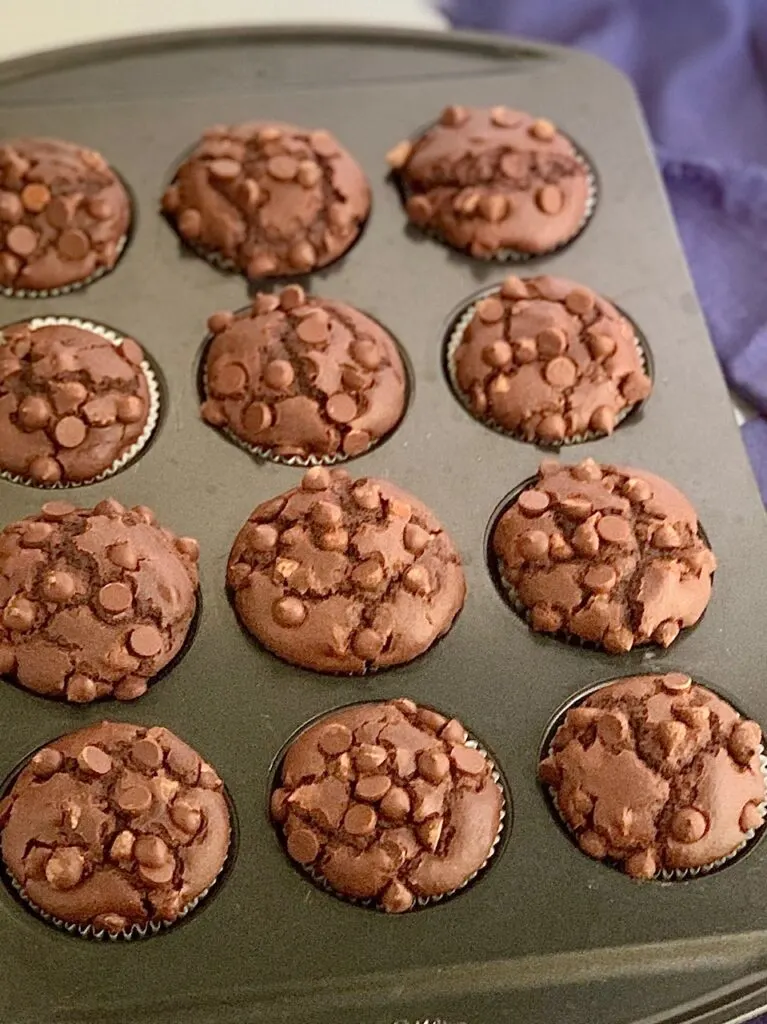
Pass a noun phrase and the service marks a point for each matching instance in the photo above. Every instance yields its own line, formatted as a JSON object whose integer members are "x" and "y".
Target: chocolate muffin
{"x": 268, "y": 199}
{"x": 494, "y": 182}
{"x": 656, "y": 774}
{"x": 115, "y": 829}
{"x": 299, "y": 378}
{"x": 64, "y": 216}
{"x": 607, "y": 554}
{"x": 76, "y": 401}
{"x": 547, "y": 360}
{"x": 93, "y": 602}
{"x": 388, "y": 803}
{"x": 345, "y": 576}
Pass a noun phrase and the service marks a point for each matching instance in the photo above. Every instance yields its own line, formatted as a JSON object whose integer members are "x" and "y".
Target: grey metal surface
{"x": 547, "y": 935}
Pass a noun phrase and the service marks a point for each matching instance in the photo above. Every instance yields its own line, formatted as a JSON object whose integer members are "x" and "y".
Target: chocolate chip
{"x": 360, "y": 820}
{"x": 65, "y": 867}
{"x": 46, "y": 762}
{"x": 397, "y": 898}
{"x": 341, "y": 408}
{"x": 94, "y": 760}
{"x": 303, "y": 845}
{"x": 468, "y": 760}
{"x": 151, "y": 851}
{"x": 19, "y": 614}
{"x": 134, "y": 798}
{"x": 335, "y": 739}
{"x": 146, "y": 641}
{"x": 225, "y": 169}
{"x": 58, "y": 586}
{"x": 74, "y": 244}
{"x": 396, "y": 804}
{"x": 147, "y": 753}
{"x": 21, "y": 240}
{"x": 186, "y": 817}
{"x": 289, "y": 612}
{"x": 35, "y": 197}
{"x": 158, "y": 876}
{"x": 115, "y": 598}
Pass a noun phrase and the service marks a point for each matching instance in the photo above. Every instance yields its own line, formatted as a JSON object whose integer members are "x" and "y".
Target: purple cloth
{"x": 700, "y": 67}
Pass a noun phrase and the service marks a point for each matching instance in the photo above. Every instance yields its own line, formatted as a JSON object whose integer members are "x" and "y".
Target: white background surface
{"x": 27, "y": 26}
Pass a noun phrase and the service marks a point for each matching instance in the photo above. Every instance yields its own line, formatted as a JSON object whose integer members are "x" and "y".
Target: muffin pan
{"x": 546, "y": 930}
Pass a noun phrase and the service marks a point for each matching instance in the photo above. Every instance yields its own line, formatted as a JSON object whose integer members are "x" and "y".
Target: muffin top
{"x": 93, "y": 602}
{"x": 658, "y": 774}
{"x": 271, "y": 199}
{"x": 387, "y": 802}
{"x": 64, "y": 214}
{"x": 115, "y": 826}
{"x": 346, "y": 576}
{"x": 296, "y": 375}
{"x": 548, "y": 360}
{"x": 489, "y": 179}
{"x": 71, "y": 402}
{"x": 606, "y": 553}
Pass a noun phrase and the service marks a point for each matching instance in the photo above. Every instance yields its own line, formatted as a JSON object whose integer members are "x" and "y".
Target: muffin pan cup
{"x": 68, "y": 289}
{"x": 510, "y": 256}
{"x": 150, "y": 372}
{"x": 545, "y": 927}
{"x": 504, "y": 827}
{"x": 508, "y": 592}
{"x": 458, "y": 327}
{"x": 664, "y": 874}
{"x": 266, "y": 454}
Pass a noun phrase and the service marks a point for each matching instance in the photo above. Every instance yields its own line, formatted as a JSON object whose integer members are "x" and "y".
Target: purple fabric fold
{"x": 700, "y": 67}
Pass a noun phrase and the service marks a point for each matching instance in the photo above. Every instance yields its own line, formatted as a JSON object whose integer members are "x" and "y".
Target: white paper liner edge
{"x": 268, "y": 454}
{"x": 516, "y": 255}
{"x": 66, "y": 289}
{"x": 87, "y": 931}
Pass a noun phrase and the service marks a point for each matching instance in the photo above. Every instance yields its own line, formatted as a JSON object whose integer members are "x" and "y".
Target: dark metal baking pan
{"x": 547, "y": 935}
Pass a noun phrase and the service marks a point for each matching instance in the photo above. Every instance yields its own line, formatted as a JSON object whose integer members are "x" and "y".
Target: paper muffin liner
{"x": 87, "y": 931}
{"x": 153, "y": 414}
{"x": 510, "y": 595}
{"x": 136, "y": 931}
{"x": 228, "y": 266}
{"x": 301, "y": 461}
{"x": 516, "y": 255}
{"x": 454, "y": 338}
{"x": 66, "y": 289}
{"x": 572, "y": 639}
{"x": 421, "y": 902}
{"x": 664, "y": 874}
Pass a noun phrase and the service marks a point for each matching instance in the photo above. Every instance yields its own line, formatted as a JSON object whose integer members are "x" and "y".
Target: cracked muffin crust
{"x": 64, "y": 215}
{"x": 657, "y": 773}
{"x": 93, "y": 602}
{"x": 345, "y": 576}
{"x": 493, "y": 180}
{"x": 71, "y": 402}
{"x": 548, "y": 360}
{"x": 269, "y": 199}
{"x": 387, "y": 803}
{"x": 114, "y": 828}
{"x": 605, "y": 553}
{"x": 299, "y": 376}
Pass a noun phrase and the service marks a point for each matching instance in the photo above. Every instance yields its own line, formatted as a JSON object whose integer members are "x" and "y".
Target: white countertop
{"x": 47, "y": 24}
